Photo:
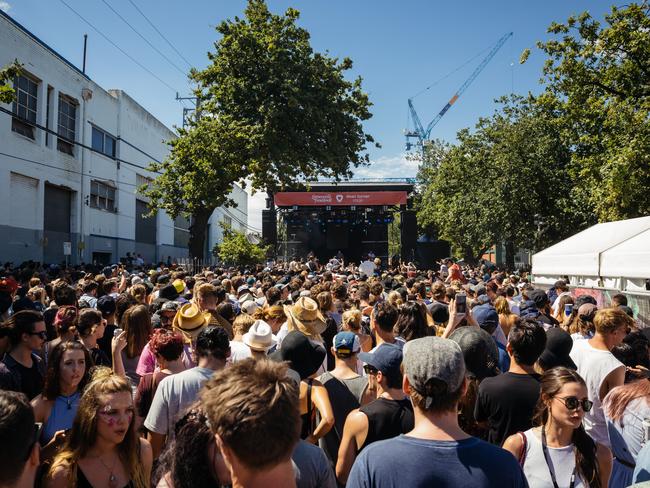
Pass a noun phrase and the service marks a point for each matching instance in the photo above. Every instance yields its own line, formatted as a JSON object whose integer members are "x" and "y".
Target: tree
{"x": 598, "y": 82}
{"x": 7, "y": 74}
{"x": 236, "y": 249}
{"x": 272, "y": 111}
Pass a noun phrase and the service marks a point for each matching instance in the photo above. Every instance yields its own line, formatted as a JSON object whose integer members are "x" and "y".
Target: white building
{"x": 77, "y": 181}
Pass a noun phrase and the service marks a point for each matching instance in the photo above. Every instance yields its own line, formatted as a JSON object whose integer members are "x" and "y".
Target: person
{"x": 67, "y": 375}
{"x": 103, "y": 447}
{"x": 178, "y": 391}
{"x": 259, "y": 339}
{"x": 351, "y": 321}
{"x": 312, "y": 467}
{"x": 599, "y": 368}
{"x": 507, "y": 401}
{"x": 89, "y": 296}
{"x": 582, "y": 324}
{"x": 90, "y": 326}
{"x": 545, "y": 314}
{"x": 557, "y": 351}
{"x": 167, "y": 348}
{"x": 382, "y": 325}
{"x": 19, "y": 446}
{"x": 106, "y": 305}
{"x": 412, "y": 322}
{"x": 24, "y": 370}
{"x": 625, "y": 408}
{"x": 240, "y": 327}
{"x": 346, "y": 389}
{"x": 506, "y": 317}
{"x": 137, "y": 325}
{"x": 257, "y": 441}
{"x": 558, "y": 451}
{"x": 306, "y": 358}
{"x": 481, "y": 357}
{"x": 65, "y": 324}
{"x": 561, "y": 290}
{"x": 192, "y": 459}
{"x": 436, "y": 452}
{"x": 389, "y": 415}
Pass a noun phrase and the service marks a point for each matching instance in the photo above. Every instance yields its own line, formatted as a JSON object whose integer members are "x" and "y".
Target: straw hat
{"x": 189, "y": 320}
{"x": 305, "y": 316}
{"x": 259, "y": 337}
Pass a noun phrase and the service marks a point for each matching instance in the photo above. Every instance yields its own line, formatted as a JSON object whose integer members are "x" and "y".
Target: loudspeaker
{"x": 270, "y": 227}
{"x": 408, "y": 234}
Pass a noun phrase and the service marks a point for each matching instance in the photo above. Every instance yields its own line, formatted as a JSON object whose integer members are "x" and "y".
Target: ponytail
{"x": 586, "y": 459}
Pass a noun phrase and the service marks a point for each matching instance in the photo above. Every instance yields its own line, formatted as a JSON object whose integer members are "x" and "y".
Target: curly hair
{"x": 167, "y": 344}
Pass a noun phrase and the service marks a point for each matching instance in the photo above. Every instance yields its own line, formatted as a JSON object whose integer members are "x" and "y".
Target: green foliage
{"x": 598, "y": 82}
{"x": 7, "y": 74}
{"x": 236, "y": 249}
{"x": 272, "y": 112}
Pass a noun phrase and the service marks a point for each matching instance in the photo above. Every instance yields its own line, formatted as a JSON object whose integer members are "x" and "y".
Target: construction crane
{"x": 422, "y": 134}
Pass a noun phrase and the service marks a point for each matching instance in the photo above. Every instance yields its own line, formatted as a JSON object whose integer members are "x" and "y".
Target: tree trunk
{"x": 198, "y": 228}
{"x": 510, "y": 255}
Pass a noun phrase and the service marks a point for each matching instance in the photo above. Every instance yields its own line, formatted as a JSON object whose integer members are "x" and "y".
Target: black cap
{"x": 539, "y": 297}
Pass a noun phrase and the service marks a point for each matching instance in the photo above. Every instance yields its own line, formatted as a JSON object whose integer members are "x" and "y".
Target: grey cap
{"x": 434, "y": 366}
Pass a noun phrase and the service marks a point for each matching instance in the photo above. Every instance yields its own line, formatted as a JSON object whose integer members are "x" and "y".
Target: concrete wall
{"x": 140, "y": 140}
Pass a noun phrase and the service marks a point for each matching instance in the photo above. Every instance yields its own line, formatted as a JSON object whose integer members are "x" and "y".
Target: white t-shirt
{"x": 238, "y": 351}
{"x": 174, "y": 394}
{"x": 594, "y": 365}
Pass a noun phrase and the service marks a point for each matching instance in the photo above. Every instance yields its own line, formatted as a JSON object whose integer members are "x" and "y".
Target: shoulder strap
{"x": 524, "y": 448}
{"x": 310, "y": 413}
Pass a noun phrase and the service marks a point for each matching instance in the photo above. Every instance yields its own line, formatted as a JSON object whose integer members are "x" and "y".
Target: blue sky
{"x": 398, "y": 47}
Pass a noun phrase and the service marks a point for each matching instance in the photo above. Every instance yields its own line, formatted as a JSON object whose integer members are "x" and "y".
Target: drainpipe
{"x": 86, "y": 95}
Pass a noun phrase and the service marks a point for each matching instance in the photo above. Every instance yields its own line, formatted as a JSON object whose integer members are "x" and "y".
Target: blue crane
{"x": 422, "y": 134}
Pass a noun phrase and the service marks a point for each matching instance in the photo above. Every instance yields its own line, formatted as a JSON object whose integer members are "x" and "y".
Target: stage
{"x": 353, "y": 218}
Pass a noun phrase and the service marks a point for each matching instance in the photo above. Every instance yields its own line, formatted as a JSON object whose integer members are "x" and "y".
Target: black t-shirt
{"x": 387, "y": 419}
{"x": 104, "y": 343}
{"x": 507, "y": 402}
{"x": 31, "y": 380}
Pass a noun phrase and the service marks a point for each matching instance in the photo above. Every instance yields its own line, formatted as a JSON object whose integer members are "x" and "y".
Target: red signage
{"x": 361, "y": 198}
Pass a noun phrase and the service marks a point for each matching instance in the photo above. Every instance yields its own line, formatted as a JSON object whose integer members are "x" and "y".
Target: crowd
{"x": 310, "y": 375}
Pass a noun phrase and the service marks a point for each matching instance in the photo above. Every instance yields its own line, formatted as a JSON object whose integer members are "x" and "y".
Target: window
{"x": 227, "y": 222}
{"x": 25, "y": 106}
{"x": 103, "y": 143}
{"x": 67, "y": 124}
{"x": 181, "y": 231}
{"x": 102, "y": 196}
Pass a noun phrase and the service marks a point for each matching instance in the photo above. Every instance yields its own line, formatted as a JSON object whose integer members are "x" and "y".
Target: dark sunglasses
{"x": 42, "y": 334}
{"x": 369, "y": 369}
{"x": 572, "y": 403}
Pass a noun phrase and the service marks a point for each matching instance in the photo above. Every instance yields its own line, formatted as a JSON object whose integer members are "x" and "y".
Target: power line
{"x": 144, "y": 38}
{"x": 119, "y": 48}
{"x": 160, "y": 33}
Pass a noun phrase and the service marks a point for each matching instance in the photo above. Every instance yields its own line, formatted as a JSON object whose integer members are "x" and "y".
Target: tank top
{"x": 594, "y": 365}
{"x": 563, "y": 462}
{"x": 387, "y": 419}
{"x": 61, "y": 416}
{"x": 82, "y": 481}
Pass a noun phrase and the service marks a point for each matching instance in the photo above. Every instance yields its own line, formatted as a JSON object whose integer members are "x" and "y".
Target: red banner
{"x": 360, "y": 198}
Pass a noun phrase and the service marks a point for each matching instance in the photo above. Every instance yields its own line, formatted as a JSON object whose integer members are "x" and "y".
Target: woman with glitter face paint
{"x": 103, "y": 449}
{"x": 66, "y": 377}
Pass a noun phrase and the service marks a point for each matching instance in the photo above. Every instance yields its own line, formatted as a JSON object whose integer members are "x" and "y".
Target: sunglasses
{"x": 572, "y": 403}
{"x": 42, "y": 334}
{"x": 369, "y": 369}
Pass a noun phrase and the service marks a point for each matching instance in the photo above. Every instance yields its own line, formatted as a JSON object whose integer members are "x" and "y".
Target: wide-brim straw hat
{"x": 190, "y": 321}
{"x": 306, "y": 316}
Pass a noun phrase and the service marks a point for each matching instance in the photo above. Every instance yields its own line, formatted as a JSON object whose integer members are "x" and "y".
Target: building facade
{"x": 72, "y": 157}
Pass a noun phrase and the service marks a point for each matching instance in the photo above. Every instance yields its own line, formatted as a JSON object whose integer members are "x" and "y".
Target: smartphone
{"x": 117, "y": 332}
{"x": 568, "y": 309}
{"x": 461, "y": 303}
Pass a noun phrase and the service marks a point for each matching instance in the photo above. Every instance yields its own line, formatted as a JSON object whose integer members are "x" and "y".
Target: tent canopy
{"x": 611, "y": 249}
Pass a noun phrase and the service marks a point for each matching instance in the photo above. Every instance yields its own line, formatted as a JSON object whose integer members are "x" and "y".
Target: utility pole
{"x": 188, "y": 111}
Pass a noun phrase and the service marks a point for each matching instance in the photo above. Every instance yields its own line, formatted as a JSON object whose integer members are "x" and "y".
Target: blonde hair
{"x": 502, "y": 307}
{"x": 242, "y": 323}
{"x": 608, "y": 320}
{"x": 84, "y": 431}
{"x": 139, "y": 292}
{"x": 395, "y": 299}
{"x": 275, "y": 312}
{"x": 351, "y": 320}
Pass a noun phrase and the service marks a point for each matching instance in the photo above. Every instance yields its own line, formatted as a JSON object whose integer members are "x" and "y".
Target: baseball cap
{"x": 486, "y": 316}
{"x": 241, "y": 289}
{"x": 179, "y": 286}
{"x": 434, "y": 366}
{"x": 479, "y": 351}
{"x": 346, "y": 344}
{"x": 387, "y": 358}
{"x": 106, "y": 304}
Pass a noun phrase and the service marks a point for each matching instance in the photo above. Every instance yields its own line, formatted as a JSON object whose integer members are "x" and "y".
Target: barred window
{"x": 102, "y": 196}
{"x": 67, "y": 124}
{"x": 25, "y": 106}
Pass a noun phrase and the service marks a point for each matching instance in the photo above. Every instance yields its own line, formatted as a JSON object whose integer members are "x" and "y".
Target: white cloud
{"x": 4, "y": 6}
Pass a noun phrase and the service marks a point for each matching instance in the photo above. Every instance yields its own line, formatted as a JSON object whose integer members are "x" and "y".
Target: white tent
{"x": 610, "y": 255}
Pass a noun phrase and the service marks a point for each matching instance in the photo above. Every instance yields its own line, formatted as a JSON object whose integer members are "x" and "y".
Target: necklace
{"x": 112, "y": 479}
{"x": 69, "y": 400}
